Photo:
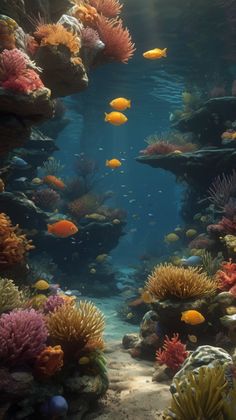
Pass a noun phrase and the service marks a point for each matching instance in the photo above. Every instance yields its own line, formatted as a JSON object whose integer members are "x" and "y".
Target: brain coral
{"x": 23, "y": 335}
{"x": 75, "y": 327}
{"x": 168, "y": 281}
{"x": 10, "y": 296}
{"x": 13, "y": 244}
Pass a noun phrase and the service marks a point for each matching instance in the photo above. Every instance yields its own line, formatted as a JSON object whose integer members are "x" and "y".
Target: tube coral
{"x": 117, "y": 40}
{"x": 10, "y": 296}
{"x": 76, "y": 327}
{"x": 107, "y": 8}
{"x": 13, "y": 244}
{"x": 23, "y": 335}
{"x": 173, "y": 353}
{"x": 170, "y": 282}
{"x": 57, "y": 34}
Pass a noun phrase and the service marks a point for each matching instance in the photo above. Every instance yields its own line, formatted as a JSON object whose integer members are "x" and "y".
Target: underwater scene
{"x": 118, "y": 209}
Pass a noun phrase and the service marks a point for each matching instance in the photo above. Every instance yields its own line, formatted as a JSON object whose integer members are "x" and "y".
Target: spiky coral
{"x": 7, "y": 37}
{"x": 227, "y": 275}
{"x": 201, "y": 398}
{"x": 23, "y": 335}
{"x": 10, "y": 296}
{"x": 13, "y": 244}
{"x": 53, "y": 303}
{"x": 57, "y": 34}
{"x": 173, "y": 353}
{"x": 163, "y": 148}
{"x": 107, "y": 8}
{"x": 170, "y": 282}
{"x": 76, "y": 327}
{"x": 117, "y": 39}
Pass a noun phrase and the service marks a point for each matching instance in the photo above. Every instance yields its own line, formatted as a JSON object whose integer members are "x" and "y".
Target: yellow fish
{"x": 101, "y": 258}
{"x": 84, "y": 360}
{"x": 113, "y": 163}
{"x": 41, "y": 285}
{"x": 130, "y": 315}
{"x": 192, "y": 338}
{"x": 171, "y": 237}
{"x": 192, "y": 317}
{"x": 120, "y": 104}
{"x": 155, "y": 54}
{"x": 115, "y": 118}
{"x": 95, "y": 216}
{"x": 190, "y": 233}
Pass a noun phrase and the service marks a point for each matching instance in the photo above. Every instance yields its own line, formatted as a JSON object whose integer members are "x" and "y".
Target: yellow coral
{"x": 85, "y": 13}
{"x": 57, "y": 34}
{"x": 77, "y": 327}
{"x": 10, "y": 296}
{"x": 168, "y": 281}
{"x": 13, "y": 244}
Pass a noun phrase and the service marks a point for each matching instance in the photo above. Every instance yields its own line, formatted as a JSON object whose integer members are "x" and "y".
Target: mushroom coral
{"x": 13, "y": 244}
{"x": 168, "y": 281}
{"x": 77, "y": 327}
{"x": 10, "y": 296}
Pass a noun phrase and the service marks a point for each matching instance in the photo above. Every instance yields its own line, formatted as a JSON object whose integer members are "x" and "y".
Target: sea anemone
{"x": 173, "y": 353}
{"x": 170, "y": 282}
{"x": 56, "y": 34}
{"x": 89, "y": 37}
{"x": 164, "y": 148}
{"x": 10, "y": 296}
{"x": 23, "y": 335}
{"x": 221, "y": 189}
{"x": 107, "y": 8}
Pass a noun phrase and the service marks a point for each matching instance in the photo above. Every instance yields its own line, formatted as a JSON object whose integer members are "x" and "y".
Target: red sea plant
{"x": 173, "y": 353}
{"x": 227, "y": 275}
{"x": 117, "y": 39}
{"x": 163, "y": 148}
{"x": 107, "y": 8}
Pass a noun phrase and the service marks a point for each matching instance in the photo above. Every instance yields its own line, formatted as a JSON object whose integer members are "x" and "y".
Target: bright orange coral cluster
{"x": 57, "y": 34}
{"x": 86, "y": 13}
{"x": 49, "y": 361}
{"x": 13, "y": 244}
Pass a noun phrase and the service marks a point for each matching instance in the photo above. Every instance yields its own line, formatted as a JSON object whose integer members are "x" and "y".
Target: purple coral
{"x": 89, "y": 38}
{"x": 46, "y": 199}
{"x": 52, "y": 303}
{"x": 23, "y": 336}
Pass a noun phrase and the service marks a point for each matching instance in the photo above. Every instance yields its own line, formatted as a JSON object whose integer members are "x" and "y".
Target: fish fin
{"x": 106, "y": 117}
{"x": 164, "y": 52}
{"x": 129, "y": 103}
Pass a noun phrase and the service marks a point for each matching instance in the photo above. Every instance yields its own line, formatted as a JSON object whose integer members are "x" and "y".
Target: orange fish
{"x": 115, "y": 118}
{"x": 120, "y": 104}
{"x": 155, "y": 54}
{"x": 54, "y": 181}
{"x": 192, "y": 317}
{"x": 63, "y": 229}
{"x": 228, "y": 135}
{"x": 113, "y": 163}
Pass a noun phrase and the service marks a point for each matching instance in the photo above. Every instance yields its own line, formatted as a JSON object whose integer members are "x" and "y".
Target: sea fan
{"x": 117, "y": 40}
{"x": 107, "y": 8}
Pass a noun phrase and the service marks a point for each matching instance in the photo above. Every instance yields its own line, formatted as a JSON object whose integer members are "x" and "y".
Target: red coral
{"x": 107, "y": 8}
{"x": 224, "y": 226}
{"x": 163, "y": 148}
{"x": 173, "y": 354}
{"x": 117, "y": 40}
{"x": 26, "y": 82}
{"x": 227, "y": 276}
{"x": 12, "y": 63}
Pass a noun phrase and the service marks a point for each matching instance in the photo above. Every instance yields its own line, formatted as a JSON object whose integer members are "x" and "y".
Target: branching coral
{"x": 163, "y": 148}
{"x": 170, "y": 282}
{"x": 49, "y": 361}
{"x": 117, "y": 39}
{"x": 23, "y": 335}
{"x": 201, "y": 398}
{"x": 13, "y": 244}
{"x": 75, "y": 327}
{"x": 107, "y": 8}
{"x": 57, "y": 34}
{"x": 227, "y": 275}
{"x": 222, "y": 188}
{"x": 46, "y": 199}
{"x": 10, "y": 296}
{"x": 173, "y": 354}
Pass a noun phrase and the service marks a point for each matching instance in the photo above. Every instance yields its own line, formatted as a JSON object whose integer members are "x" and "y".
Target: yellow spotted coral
{"x": 168, "y": 281}
{"x": 77, "y": 327}
{"x": 10, "y": 296}
{"x": 57, "y": 34}
{"x": 13, "y": 244}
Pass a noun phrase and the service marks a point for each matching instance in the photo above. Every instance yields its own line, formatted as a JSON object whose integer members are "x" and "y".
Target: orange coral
{"x": 85, "y": 13}
{"x": 57, "y": 34}
{"x": 49, "y": 361}
{"x": 117, "y": 40}
{"x": 107, "y": 8}
{"x": 13, "y": 244}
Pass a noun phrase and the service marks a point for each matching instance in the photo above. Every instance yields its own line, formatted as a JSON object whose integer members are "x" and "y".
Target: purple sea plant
{"x": 23, "y": 336}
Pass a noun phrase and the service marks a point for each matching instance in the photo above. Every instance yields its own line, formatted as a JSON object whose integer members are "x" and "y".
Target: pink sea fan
{"x": 89, "y": 37}
{"x": 26, "y": 82}
{"x": 12, "y": 63}
{"x": 173, "y": 354}
{"x": 117, "y": 40}
{"x": 23, "y": 336}
{"x": 52, "y": 303}
{"x": 107, "y": 8}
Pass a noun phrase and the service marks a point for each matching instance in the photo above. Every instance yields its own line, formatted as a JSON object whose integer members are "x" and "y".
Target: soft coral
{"x": 227, "y": 276}
{"x": 173, "y": 354}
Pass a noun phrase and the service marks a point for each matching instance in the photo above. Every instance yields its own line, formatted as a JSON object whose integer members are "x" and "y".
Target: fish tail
{"x": 107, "y": 162}
{"x": 164, "y": 52}
{"x": 49, "y": 228}
{"x": 106, "y": 117}
{"x": 129, "y": 103}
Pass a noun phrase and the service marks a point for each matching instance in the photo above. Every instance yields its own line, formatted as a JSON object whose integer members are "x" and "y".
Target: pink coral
{"x": 107, "y": 8}
{"x": 23, "y": 335}
{"x": 26, "y": 82}
{"x": 53, "y": 303}
{"x": 89, "y": 37}
{"x": 227, "y": 276}
{"x": 163, "y": 148}
{"x": 12, "y": 63}
{"x": 173, "y": 354}
{"x": 117, "y": 40}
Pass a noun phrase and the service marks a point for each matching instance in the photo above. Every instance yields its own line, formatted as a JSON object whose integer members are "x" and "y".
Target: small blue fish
{"x": 18, "y": 162}
{"x": 192, "y": 261}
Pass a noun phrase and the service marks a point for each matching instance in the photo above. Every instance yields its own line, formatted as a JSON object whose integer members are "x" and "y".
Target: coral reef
{"x": 53, "y": 303}
{"x": 167, "y": 281}
{"x": 10, "y": 296}
{"x": 163, "y": 148}
{"x": 173, "y": 353}
{"x": 23, "y": 335}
